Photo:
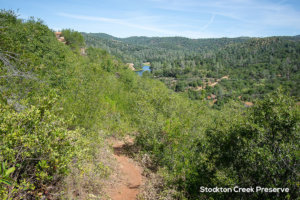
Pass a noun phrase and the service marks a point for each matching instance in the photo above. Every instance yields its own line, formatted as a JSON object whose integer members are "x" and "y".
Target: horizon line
{"x": 228, "y": 37}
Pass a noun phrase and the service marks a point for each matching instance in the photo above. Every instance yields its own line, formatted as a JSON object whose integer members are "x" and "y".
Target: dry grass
{"x": 155, "y": 187}
{"x": 90, "y": 180}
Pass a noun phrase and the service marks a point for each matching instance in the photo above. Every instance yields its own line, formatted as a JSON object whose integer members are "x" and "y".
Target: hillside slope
{"x": 255, "y": 66}
{"x": 58, "y": 107}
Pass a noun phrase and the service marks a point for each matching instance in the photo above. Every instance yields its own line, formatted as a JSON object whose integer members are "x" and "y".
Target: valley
{"x": 256, "y": 65}
{"x": 77, "y": 122}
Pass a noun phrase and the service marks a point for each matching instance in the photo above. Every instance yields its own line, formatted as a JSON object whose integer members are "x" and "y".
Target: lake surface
{"x": 145, "y": 68}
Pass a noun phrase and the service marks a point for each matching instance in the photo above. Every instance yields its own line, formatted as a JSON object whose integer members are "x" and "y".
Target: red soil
{"x": 129, "y": 176}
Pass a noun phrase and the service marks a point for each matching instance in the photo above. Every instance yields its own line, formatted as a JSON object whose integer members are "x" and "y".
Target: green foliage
{"x": 4, "y": 174}
{"x": 260, "y": 148}
{"x": 37, "y": 142}
{"x": 254, "y": 147}
{"x": 73, "y": 38}
{"x": 57, "y": 108}
{"x": 256, "y": 66}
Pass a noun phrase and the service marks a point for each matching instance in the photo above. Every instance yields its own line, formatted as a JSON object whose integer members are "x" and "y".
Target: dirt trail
{"x": 129, "y": 178}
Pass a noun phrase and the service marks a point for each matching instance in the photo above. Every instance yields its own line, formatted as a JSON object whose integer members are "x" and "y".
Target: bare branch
{"x": 12, "y": 69}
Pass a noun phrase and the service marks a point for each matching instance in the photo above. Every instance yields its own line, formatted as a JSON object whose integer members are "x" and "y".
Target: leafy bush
{"x": 189, "y": 143}
{"x": 37, "y": 143}
{"x": 73, "y": 38}
{"x": 259, "y": 148}
{"x": 231, "y": 147}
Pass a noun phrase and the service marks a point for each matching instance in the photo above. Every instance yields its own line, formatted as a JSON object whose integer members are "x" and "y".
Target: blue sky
{"x": 189, "y": 18}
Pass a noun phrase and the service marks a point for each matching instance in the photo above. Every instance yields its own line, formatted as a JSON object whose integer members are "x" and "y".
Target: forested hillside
{"x": 142, "y": 49}
{"x": 58, "y": 107}
{"x": 250, "y": 67}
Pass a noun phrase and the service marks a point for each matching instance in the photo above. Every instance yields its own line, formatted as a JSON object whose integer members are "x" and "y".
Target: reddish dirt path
{"x": 129, "y": 176}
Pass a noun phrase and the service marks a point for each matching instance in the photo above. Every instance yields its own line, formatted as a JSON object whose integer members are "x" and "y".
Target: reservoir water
{"x": 145, "y": 68}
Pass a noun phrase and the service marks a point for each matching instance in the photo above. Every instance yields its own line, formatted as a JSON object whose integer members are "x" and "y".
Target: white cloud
{"x": 248, "y": 11}
{"x": 116, "y": 21}
{"x": 222, "y": 18}
{"x": 209, "y": 23}
{"x": 154, "y": 30}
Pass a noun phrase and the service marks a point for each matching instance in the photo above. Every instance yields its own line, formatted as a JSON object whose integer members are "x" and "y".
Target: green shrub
{"x": 37, "y": 143}
{"x": 73, "y": 38}
{"x": 259, "y": 148}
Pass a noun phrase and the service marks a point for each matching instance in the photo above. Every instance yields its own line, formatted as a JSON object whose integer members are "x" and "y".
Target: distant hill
{"x": 102, "y": 35}
{"x": 60, "y": 109}
{"x": 176, "y": 43}
{"x": 255, "y": 65}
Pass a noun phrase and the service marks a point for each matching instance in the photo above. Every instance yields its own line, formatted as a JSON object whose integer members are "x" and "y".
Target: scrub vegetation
{"x": 57, "y": 107}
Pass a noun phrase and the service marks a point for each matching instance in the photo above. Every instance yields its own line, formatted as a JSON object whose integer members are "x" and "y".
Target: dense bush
{"x": 73, "y": 38}
{"x": 45, "y": 134}
{"x": 37, "y": 143}
{"x": 246, "y": 148}
{"x": 36, "y": 139}
{"x": 258, "y": 148}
